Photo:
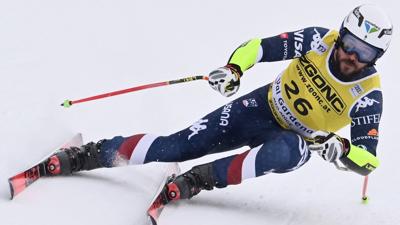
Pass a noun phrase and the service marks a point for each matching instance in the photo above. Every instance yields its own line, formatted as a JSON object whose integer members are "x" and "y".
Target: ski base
{"x": 157, "y": 205}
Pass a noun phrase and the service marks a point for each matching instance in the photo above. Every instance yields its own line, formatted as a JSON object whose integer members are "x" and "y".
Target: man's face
{"x": 348, "y": 63}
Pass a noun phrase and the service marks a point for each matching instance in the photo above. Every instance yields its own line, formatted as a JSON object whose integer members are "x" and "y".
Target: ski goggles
{"x": 365, "y": 52}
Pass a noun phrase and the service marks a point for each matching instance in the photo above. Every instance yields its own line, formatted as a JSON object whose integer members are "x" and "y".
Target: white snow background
{"x": 52, "y": 50}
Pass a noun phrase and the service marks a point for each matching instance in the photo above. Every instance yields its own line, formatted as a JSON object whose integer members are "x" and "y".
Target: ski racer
{"x": 330, "y": 83}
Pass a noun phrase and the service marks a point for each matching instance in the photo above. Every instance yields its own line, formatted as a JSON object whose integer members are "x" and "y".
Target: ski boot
{"x": 189, "y": 184}
{"x": 73, "y": 159}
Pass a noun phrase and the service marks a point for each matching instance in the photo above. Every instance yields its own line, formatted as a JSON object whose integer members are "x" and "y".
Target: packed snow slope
{"x": 56, "y": 50}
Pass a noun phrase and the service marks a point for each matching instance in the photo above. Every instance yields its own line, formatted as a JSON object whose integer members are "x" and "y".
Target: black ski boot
{"x": 189, "y": 184}
{"x": 74, "y": 159}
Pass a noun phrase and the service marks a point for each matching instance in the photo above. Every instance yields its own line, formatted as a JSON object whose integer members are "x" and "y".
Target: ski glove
{"x": 329, "y": 145}
{"x": 225, "y": 80}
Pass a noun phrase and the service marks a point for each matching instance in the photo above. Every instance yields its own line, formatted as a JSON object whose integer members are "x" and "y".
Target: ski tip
{"x": 11, "y": 189}
{"x": 152, "y": 220}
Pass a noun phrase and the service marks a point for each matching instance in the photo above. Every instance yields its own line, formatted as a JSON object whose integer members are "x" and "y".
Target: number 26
{"x": 300, "y": 104}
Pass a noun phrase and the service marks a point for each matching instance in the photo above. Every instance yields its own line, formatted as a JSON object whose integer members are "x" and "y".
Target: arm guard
{"x": 248, "y": 54}
{"x": 360, "y": 160}
{"x": 285, "y": 46}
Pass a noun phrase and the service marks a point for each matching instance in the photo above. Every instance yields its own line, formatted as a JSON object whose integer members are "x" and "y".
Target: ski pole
{"x": 68, "y": 103}
{"x": 364, "y": 191}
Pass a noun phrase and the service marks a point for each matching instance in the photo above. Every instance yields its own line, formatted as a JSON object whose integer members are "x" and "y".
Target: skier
{"x": 330, "y": 83}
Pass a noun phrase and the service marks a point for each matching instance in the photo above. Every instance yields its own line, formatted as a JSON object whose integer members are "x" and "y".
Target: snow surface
{"x": 54, "y": 50}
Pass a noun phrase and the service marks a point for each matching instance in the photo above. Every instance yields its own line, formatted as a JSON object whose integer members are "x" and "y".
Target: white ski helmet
{"x": 370, "y": 24}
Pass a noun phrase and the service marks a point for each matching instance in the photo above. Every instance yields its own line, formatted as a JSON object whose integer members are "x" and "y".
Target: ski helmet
{"x": 368, "y": 31}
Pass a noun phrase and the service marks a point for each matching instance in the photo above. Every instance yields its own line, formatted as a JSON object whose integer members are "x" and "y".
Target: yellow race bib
{"x": 307, "y": 97}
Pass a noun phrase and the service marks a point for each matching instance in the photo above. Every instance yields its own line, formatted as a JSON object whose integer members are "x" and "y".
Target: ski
{"x": 157, "y": 205}
{"x": 21, "y": 181}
